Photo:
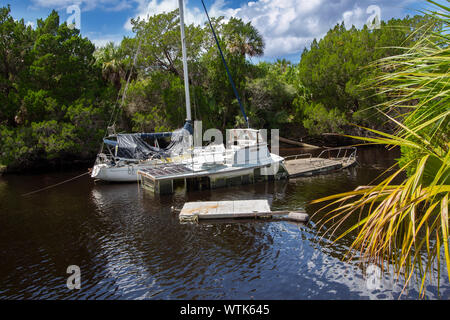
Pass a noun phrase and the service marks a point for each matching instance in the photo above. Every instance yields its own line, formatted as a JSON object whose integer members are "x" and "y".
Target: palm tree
{"x": 283, "y": 64}
{"x": 112, "y": 63}
{"x": 408, "y": 221}
{"x": 243, "y": 38}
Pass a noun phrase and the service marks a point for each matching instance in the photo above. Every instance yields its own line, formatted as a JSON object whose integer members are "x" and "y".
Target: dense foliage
{"x": 334, "y": 69}
{"x": 58, "y": 93}
{"x": 53, "y": 100}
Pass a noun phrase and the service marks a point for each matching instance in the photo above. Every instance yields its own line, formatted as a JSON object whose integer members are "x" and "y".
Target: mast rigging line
{"x": 226, "y": 67}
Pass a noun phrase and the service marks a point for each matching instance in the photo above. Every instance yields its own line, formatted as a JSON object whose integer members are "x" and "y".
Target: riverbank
{"x": 42, "y": 167}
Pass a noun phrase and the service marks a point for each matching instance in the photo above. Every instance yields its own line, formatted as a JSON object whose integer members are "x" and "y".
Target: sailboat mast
{"x": 185, "y": 66}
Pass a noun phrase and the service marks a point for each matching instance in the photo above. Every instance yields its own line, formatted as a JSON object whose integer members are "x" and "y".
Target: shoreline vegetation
{"x": 59, "y": 93}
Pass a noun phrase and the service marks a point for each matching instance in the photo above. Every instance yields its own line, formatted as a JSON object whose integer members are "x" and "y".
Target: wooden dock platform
{"x": 202, "y": 210}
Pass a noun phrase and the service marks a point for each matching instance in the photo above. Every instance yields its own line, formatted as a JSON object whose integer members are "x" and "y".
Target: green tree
{"x": 242, "y": 38}
{"x": 160, "y": 42}
{"x": 15, "y": 42}
{"x": 271, "y": 96}
{"x": 334, "y": 70}
{"x": 114, "y": 63}
{"x": 56, "y": 99}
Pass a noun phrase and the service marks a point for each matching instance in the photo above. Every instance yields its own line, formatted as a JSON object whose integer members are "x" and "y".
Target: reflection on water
{"x": 129, "y": 245}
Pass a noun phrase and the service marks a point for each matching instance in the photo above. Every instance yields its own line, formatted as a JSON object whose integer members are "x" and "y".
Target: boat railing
{"x": 314, "y": 162}
{"x": 347, "y": 154}
{"x": 297, "y": 156}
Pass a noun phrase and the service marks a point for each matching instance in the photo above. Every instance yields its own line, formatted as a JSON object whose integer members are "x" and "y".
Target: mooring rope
{"x": 56, "y": 184}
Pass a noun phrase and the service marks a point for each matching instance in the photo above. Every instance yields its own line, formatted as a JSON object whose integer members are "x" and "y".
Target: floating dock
{"x": 203, "y": 210}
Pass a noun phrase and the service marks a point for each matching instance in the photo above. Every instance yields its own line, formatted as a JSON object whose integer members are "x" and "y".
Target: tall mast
{"x": 185, "y": 66}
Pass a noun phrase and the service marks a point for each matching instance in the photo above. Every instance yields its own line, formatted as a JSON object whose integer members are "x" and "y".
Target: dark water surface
{"x": 129, "y": 245}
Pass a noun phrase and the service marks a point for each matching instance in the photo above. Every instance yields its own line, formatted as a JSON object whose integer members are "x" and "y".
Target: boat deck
{"x": 161, "y": 178}
{"x": 166, "y": 171}
{"x": 311, "y": 166}
{"x": 330, "y": 159}
{"x": 179, "y": 171}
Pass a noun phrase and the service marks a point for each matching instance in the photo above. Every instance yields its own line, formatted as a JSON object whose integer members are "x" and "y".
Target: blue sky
{"x": 286, "y": 25}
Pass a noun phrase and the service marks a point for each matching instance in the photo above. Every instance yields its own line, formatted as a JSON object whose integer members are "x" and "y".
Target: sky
{"x": 287, "y": 26}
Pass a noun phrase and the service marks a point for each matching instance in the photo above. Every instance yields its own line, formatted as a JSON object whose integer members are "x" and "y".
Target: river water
{"x": 129, "y": 245}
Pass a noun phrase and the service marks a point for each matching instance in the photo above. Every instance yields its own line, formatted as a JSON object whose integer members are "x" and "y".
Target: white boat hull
{"x": 129, "y": 173}
{"x": 116, "y": 174}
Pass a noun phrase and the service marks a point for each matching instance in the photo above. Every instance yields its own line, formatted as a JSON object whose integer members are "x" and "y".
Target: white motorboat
{"x": 245, "y": 159}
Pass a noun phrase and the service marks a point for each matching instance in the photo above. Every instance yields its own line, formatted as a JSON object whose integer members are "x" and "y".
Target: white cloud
{"x": 356, "y": 17}
{"x": 286, "y": 25}
{"x": 100, "y": 40}
{"x": 289, "y": 25}
{"x": 153, "y": 7}
{"x": 30, "y": 24}
{"x": 85, "y": 5}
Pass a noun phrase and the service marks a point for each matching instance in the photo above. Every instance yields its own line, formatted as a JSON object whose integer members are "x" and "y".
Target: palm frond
{"x": 405, "y": 225}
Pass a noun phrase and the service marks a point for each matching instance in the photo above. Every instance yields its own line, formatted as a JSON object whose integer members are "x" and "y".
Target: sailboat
{"x": 132, "y": 158}
{"x": 125, "y": 153}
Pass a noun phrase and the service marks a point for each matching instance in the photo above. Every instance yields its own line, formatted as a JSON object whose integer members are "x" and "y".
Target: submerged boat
{"x": 245, "y": 154}
{"x": 245, "y": 159}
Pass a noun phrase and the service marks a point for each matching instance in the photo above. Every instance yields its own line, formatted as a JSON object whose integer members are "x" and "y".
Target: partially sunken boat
{"x": 245, "y": 159}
